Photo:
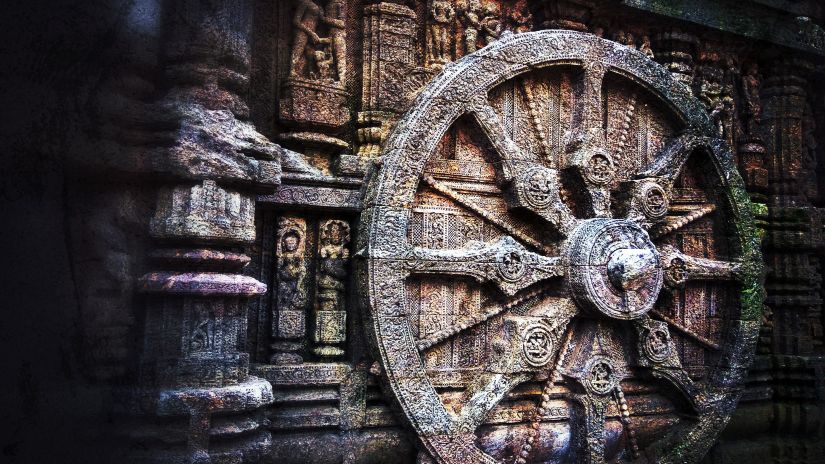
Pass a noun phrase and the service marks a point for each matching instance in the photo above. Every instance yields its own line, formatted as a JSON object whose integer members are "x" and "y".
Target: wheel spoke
{"x": 506, "y": 263}
{"x": 680, "y": 268}
{"x": 462, "y": 200}
{"x": 533, "y": 186}
{"x": 527, "y": 345}
{"x": 704, "y": 341}
{"x": 586, "y": 145}
{"x": 657, "y": 351}
{"x": 474, "y": 320}
{"x": 589, "y": 113}
{"x": 589, "y": 428}
{"x": 670, "y": 161}
{"x": 509, "y": 152}
{"x": 536, "y": 189}
{"x": 483, "y": 395}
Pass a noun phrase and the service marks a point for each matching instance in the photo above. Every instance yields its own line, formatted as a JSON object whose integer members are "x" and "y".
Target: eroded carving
{"x": 289, "y": 319}
{"x": 331, "y": 311}
{"x": 305, "y": 22}
{"x": 440, "y": 21}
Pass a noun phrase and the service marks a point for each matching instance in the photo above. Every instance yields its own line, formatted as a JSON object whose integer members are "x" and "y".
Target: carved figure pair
{"x": 315, "y": 56}
{"x": 482, "y": 24}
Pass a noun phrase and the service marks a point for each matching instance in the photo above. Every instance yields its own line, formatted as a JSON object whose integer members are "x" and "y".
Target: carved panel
{"x": 330, "y": 307}
{"x": 289, "y": 319}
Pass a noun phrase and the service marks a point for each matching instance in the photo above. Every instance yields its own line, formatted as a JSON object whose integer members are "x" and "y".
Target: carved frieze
{"x": 555, "y": 255}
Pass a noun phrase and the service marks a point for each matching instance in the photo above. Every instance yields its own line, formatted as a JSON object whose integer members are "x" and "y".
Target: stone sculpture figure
{"x": 521, "y": 20}
{"x": 305, "y": 22}
{"x": 323, "y": 62}
{"x": 289, "y": 327}
{"x": 438, "y": 40}
{"x": 713, "y": 95}
{"x": 490, "y": 24}
{"x": 335, "y": 19}
{"x": 645, "y": 46}
{"x": 471, "y": 14}
{"x": 290, "y": 272}
{"x": 330, "y": 316}
{"x": 753, "y": 106}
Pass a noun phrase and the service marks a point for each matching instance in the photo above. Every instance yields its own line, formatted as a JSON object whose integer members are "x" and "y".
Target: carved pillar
{"x": 194, "y": 371}
{"x": 784, "y": 97}
{"x": 751, "y": 146}
{"x": 794, "y": 228}
{"x": 388, "y": 59}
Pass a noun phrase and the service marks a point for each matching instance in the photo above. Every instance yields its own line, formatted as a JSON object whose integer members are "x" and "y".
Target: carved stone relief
{"x": 314, "y": 99}
{"x": 330, "y": 309}
{"x": 313, "y": 56}
{"x": 464, "y": 230}
{"x": 289, "y": 320}
{"x": 533, "y": 281}
{"x": 441, "y": 15}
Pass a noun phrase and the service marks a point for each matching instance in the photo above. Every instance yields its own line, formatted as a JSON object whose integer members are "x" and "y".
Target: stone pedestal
{"x": 313, "y": 103}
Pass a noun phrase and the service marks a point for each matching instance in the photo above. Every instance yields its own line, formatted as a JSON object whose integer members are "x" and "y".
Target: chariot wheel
{"x": 557, "y": 259}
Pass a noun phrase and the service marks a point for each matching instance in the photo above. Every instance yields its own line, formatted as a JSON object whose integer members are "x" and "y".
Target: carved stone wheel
{"x": 558, "y": 261}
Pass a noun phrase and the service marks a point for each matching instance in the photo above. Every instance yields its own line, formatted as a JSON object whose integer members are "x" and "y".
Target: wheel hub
{"x": 613, "y": 268}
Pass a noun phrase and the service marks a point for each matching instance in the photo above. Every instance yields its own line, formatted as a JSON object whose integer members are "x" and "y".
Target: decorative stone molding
{"x": 205, "y": 212}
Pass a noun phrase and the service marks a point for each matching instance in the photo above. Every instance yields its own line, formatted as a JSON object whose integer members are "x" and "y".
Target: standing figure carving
{"x": 490, "y": 24}
{"x": 330, "y": 317}
{"x": 305, "y": 22}
{"x": 335, "y": 18}
{"x": 715, "y": 98}
{"x": 438, "y": 38}
{"x": 753, "y": 106}
{"x": 471, "y": 14}
{"x": 645, "y": 47}
{"x": 289, "y": 326}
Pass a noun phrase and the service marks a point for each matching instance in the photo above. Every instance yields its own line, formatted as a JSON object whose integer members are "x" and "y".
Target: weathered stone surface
{"x": 415, "y": 231}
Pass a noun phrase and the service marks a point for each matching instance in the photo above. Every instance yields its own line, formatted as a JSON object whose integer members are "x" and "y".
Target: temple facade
{"x": 418, "y": 231}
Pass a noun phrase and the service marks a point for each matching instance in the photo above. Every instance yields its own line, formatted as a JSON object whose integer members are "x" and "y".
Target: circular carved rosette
{"x": 539, "y": 289}
{"x": 600, "y": 375}
{"x": 657, "y": 345}
{"x": 537, "y": 344}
